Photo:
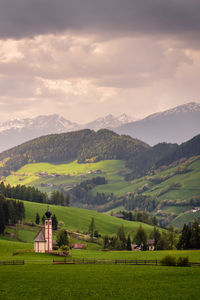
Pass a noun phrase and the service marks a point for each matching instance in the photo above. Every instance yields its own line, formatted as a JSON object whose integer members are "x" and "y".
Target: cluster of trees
{"x": 193, "y": 201}
{"x": 11, "y": 212}
{"x": 165, "y": 240}
{"x": 140, "y": 216}
{"x": 81, "y": 192}
{"x": 140, "y": 201}
{"x": 23, "y": 192}
{"x": 59, "y": 198}
{"x": 190, "y": 236}
{"x": 118, "y": 241}
{"x": 92, "y": 231}
{"x": 54, "y": 220}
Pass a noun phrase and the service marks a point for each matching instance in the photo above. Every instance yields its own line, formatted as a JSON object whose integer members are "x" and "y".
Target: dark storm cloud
{"x": 25, "y": 18}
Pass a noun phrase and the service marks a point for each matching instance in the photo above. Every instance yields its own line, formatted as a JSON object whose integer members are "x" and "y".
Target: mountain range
{"x": 175, "y": 126}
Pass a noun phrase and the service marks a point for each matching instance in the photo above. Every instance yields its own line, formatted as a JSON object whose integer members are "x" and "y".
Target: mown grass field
{"x": 39, "y": 279}
{"x": 98, "y": 282}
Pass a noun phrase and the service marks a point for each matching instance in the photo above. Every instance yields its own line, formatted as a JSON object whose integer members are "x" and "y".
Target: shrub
{"x": 183, "y": 262}
{"x": 168, "y": 261}
{"x": 64, "y": 248}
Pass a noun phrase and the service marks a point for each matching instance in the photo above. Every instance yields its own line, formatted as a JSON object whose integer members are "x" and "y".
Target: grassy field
{"x": 73, "y": 173}
{"x": 98, "y": 282}
{"x": 181, "y": 219}
{"x": 70, "y": 173}
{"x": 39, "y": 279}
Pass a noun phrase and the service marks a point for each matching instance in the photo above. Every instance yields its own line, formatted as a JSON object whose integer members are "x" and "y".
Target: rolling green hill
{"x": 170, "y": 187}
{"x": 160, "y": 180}
{"x": 77, "y": 219}
{"x": 85, "y": 146}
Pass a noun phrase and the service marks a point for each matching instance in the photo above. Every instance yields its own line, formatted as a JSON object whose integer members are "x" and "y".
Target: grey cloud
{"x": 22, "y": 18}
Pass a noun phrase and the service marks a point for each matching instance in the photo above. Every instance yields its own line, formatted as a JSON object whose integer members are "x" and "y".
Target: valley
{"x": 159, "y": 186}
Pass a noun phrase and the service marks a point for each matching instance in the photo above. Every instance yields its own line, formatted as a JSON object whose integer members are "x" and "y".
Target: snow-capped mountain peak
{"x": 190, "y": 107}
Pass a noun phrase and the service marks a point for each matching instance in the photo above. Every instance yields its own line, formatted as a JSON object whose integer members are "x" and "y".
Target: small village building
{"x": 78, "y": 246}
{"x": 151, "y": 245}
{"x": 43, "y": 240}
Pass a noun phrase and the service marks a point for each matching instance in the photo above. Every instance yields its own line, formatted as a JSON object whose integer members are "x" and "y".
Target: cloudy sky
{"x": 87, "y": 58}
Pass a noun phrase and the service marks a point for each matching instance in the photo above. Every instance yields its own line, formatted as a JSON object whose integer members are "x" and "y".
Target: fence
{"x": 11, "y": 262}
{"x": 104, "y": 261}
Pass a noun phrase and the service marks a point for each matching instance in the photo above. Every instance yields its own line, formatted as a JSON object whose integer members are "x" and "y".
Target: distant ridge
{"x": 16, "y": 132}
{"x": 175, "y": 125}
{"x": 84, "y": 145}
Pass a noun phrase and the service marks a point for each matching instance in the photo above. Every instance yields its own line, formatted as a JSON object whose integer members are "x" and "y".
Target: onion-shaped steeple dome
{"x": 48, "y": 213}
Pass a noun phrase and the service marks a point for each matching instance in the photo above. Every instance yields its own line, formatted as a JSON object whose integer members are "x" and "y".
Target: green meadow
{"x": 38, "y": 278}
{"x": 78, "y": 219}
{"x": 98, "y": 282}
{"x": 73, "y": 173}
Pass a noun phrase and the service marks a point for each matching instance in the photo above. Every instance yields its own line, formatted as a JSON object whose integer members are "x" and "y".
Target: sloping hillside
{"x": 78, "y": 220}
{"x": 85, "y": 146}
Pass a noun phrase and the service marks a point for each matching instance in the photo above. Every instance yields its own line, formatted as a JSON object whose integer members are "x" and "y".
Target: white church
{"x": 44, "y": 239}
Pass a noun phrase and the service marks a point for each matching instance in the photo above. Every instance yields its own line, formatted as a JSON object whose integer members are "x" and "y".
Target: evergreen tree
{"x": 195, "y": 235}
{"x": 141, "y": 238}
{"x": 37, "y": 219}
{"x": 62, "y": 238}
{"x": 128, "y": 243}
{"x": 91, "y": 228}
{"x": 184, "y": 241}
{"x": 54, "y": 222}
{"x": 106, "y": 242}
{"x": 43, "y": 219}
{"x": 2, "y": 219}
{"x": 156, "y": 236}
{"x": 122, "y": 236}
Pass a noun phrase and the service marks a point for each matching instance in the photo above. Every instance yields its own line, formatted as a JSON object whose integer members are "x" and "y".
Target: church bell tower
{"x": 48, "y": 231}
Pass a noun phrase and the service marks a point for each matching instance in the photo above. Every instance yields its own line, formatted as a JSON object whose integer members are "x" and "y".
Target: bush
{"x": 183, "y": 262}
{"x": 168, "y": 261}
{"x": 64, "y": 248}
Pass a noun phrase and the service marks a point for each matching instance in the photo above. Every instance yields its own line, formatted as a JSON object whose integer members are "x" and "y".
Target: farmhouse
{"x": 43, "y": 240}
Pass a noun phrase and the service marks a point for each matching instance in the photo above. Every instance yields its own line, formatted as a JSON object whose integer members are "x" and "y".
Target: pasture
{"x": 98, "y": 282}
{"x": 38, "y": 278}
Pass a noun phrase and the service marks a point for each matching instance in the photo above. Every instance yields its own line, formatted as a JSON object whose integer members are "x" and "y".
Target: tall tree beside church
{"x": 37, "y": 219}
{"x": 54, "y": 222}
{"x": 62, "y": 238}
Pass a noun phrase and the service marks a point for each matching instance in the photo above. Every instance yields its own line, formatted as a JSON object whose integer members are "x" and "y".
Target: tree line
{"x": 23, "y": 192}
{"x": 140, "y": 216}
{"x": 11, "y": 212}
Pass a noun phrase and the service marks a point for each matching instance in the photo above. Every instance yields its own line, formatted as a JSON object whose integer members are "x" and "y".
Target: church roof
{"x": 40, "y": 236}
